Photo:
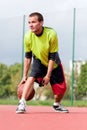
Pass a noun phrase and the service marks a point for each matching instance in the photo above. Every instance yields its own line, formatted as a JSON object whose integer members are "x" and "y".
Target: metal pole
{"x": 23, "y": 32}
{"x": 73, "y": 51}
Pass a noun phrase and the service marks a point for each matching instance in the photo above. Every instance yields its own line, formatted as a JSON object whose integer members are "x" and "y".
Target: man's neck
{"x": 41, "y": 32}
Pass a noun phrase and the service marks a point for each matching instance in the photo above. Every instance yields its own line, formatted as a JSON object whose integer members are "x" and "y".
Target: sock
{"x": 23, "y": 99}
{"x": 56, "y": 104}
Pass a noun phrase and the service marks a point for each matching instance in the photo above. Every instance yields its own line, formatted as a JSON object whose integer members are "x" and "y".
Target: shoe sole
{"x": 60, "y": 111}
{"x": 20, "y": 112}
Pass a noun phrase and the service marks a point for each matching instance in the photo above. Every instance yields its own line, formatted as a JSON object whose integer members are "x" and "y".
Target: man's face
{"x": 35, "y": 25}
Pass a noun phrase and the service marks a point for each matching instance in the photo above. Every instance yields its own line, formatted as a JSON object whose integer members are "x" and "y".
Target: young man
{"x": 41, "y": 43}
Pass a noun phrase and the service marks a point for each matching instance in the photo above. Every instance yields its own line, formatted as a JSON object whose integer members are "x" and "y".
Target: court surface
{"x": 42, "y": 118}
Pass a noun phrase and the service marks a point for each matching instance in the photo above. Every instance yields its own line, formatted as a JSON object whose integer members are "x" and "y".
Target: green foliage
{"x": 9, "y": 77}
{"x": 45, "y": 92}
{"x": 81, "y": 89}
{"x": 68, "y": 84}
{"x": 5, "y": 80}
{"x": 15, "y": 77}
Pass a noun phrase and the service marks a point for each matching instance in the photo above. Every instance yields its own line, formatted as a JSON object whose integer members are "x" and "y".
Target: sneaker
{"x": 21, "y": 107}
{"x": 60, "y": 108}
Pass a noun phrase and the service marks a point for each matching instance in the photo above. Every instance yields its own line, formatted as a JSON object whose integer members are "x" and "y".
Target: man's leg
{"x": 58, "y": 98}
{"x": 59, "y": 90}
{"x": 59, "y": 87}
{"x": 27, "y": 90}
{"x": 28, "y": 87}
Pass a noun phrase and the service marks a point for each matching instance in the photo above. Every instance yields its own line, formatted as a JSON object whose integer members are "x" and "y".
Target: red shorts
{"x": 57, "y": 79}
{"x": 58, "y": 88}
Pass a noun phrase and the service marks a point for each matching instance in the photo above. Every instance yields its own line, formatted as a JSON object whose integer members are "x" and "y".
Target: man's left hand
{"x": 45, "y": 80}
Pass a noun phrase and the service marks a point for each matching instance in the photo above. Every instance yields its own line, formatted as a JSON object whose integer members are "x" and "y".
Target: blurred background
{"x": 69, "y": 21}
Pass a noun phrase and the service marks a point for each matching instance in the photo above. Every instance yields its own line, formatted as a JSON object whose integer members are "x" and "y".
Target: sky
{"x": 58, "y": 14}
{"x": 9, "y": 8}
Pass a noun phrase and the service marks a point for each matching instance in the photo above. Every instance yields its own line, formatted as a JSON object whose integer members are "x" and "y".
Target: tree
{"x": 15, "y": 77}
{"x": 9, "y": 79}
{"x": 5, "y": 80}
{"x": 81, "y": 89}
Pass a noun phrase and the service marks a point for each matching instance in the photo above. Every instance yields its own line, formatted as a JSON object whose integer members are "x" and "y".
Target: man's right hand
{"x": 23, "y": 80}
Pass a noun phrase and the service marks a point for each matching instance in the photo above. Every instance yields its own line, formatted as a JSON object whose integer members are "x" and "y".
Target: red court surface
{"x": 42, "y": 118}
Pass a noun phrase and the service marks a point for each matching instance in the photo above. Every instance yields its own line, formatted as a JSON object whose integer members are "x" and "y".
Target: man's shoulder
{"x": 28, "y": 33}
{"x": 49, "y": 29}
{"x": 27, "y": 37}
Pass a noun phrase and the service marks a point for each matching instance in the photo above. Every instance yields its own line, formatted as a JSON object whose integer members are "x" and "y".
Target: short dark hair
{"x": 39, "y": 15}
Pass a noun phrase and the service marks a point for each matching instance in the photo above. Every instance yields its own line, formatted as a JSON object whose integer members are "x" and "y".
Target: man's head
{"x": 35, "y": 21}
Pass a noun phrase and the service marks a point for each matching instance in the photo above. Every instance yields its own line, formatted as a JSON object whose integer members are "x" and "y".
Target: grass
{"x": 12, "y": 101}
{"x": 32, "y": 102}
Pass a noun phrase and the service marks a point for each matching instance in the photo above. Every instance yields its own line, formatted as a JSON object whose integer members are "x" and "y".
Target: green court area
{"x": 77, "y": 103}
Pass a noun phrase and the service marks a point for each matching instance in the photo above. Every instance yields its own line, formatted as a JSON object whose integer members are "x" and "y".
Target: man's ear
{"x": 41, "y": 23}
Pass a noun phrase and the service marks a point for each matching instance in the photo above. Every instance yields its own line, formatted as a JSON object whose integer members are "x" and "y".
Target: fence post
{"x": 73, "y": 52}
{"x": 23, "y": 32}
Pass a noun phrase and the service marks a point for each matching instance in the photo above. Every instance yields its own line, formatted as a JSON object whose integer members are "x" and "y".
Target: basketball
{"x": 20, "y": 91}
